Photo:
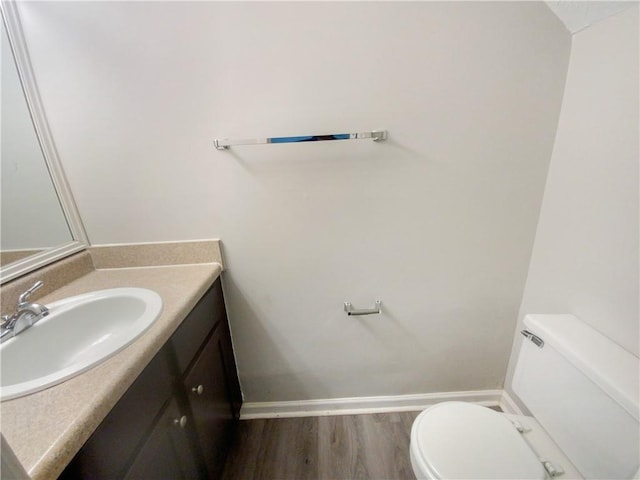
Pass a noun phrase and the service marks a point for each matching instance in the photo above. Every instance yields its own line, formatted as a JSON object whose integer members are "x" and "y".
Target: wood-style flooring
{"x": 372, "y": 446}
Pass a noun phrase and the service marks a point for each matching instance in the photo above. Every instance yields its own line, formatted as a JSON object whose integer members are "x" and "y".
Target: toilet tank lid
{"x": 606, "y": 363}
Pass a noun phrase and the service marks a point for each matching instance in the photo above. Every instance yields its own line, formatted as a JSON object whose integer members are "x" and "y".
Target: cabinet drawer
{"x": 193, "y": 331}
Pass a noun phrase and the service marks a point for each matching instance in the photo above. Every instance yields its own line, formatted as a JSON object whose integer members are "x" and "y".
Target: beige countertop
{"x": 47, "y": 428}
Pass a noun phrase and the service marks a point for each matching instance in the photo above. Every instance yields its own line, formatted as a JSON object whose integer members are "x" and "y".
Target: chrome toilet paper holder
{"x": 363, "y": 311}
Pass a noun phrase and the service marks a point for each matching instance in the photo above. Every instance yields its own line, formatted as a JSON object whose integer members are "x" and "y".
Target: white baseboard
{"x": 508, "y": 405}
{"x": 360, "y": 405}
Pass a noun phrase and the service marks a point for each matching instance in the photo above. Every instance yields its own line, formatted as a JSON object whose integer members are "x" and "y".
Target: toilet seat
{"x": 458, "y": 440}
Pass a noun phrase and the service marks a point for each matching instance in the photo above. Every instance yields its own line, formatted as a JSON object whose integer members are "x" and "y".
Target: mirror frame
{"x": 80, "y": 241}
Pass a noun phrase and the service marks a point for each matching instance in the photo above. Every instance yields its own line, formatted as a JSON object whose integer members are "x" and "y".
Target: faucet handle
{"x": 22, "y": 299}
{"x": 5, "y": 320}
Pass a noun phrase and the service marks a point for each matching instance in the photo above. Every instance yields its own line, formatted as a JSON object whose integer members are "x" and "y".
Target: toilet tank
{"x": 583, "y": 389}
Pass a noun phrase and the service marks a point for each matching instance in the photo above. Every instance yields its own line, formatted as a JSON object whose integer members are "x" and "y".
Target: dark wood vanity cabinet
{"x": 178, "y": 417}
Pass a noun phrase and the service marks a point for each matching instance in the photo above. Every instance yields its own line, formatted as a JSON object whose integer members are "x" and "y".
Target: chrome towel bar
{"x": 364, "y": 311}
{"x": 376, "y": 135}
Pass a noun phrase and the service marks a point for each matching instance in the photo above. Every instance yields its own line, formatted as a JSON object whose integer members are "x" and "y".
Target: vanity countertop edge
{"x": 47, "y": 428}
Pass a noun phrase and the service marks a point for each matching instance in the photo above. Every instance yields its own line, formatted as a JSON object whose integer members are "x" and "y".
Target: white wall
{"x": 585, "y": 256}
{"x": 437, "y": 222}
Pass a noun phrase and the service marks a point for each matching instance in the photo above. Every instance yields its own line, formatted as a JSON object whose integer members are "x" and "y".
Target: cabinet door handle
{"x": 181, "y": 422}
{"x": 198, "y": 390}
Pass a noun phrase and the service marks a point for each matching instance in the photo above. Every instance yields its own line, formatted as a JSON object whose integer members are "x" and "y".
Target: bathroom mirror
{"x": 39, "y": 222}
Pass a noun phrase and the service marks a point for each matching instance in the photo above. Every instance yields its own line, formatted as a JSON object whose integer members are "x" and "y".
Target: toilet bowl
{"x": 582, "y": 391}
{"x": 458, "y": 440}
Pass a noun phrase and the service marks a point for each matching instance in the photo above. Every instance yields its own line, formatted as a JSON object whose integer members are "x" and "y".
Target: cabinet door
{"x": 110, "y": 450}
{"x": 166, "y": 454}
{"x": 208, "y": 391}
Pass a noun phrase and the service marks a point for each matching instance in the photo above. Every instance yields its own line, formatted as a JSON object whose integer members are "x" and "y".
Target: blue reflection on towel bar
{"x": 376, "y": 135}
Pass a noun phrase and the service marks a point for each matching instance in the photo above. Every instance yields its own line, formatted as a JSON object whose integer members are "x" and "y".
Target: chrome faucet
{"x": 27, "y": 314}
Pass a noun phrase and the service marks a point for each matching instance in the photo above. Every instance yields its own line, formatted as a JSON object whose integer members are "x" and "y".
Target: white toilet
{"x": 582, "y": 390}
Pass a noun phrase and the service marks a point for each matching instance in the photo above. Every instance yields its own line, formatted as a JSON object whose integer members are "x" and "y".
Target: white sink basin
{"x": 78, "y": 333}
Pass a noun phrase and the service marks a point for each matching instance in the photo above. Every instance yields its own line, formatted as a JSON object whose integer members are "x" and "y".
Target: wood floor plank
{"x": 346, "y": 447}
{"x": 294, "y": 449}
{"x": 340, "y": 454}
{"x": 342, "y": 447}
{"x": 387, "y": 439}
{"x": 244, "y": 452}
